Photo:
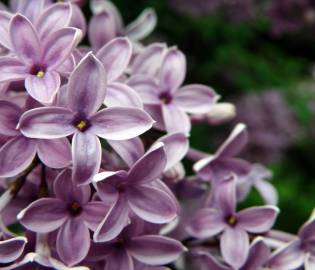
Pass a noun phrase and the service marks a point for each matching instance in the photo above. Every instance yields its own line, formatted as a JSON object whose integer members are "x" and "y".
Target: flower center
{"x": 166, "y": 97}
{"x": 38, "y": 71}
{"x": 81, "y": 123}
{"x": 232, "y": 220}
{"x": 75, "y": 209}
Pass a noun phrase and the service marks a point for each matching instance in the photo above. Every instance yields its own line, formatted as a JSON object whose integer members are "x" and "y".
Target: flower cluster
{"x": 92, "y": 143}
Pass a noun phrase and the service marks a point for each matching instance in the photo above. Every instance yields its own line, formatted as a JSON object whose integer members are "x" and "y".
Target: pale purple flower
{"x": 85, "y": 95}
{"x": 220, "y": 165}
{"x": 107, "y": 24}
{"x": 234, "y": 226}
{"x": 19, "y": 151}
{"x": 71, "y": 213}
{"x": 11, "y": 249}
{"x": 137, "y": 191}
{"x": 166, "y": 100}
{"x": 35, "y": 61}
{"x": 297, "y": 253}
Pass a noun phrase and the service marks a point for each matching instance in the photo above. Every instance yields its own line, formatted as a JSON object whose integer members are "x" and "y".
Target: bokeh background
{"x": 260, "y": 56}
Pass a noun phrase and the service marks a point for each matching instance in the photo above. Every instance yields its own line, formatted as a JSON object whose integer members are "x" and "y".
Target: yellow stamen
{"x": 82, "y": 125}
{"x": 232, "y": 220}
{"x": 40, "y": 74}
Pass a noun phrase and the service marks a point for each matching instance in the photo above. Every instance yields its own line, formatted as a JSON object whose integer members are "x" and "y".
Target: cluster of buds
{"x": 92, "y": 143}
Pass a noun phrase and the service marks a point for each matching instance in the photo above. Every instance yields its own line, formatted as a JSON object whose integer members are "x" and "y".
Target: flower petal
{"x": 73, "y": 242}
{"x": 12, "y": 69}
{"x": 54, "y": 153}
{"x": 267, "y": 192}
{"x": 16, "y": 155}
{"x": 175, "y": 119}
{"x": 259, "y": 253}
{"x": 206, "y": 261}
{"x": 122, "y": 95}
{"x": 43, "y": 89}
{"x": 173, "y": 70}
{"x": 25, "y": 41}
{"x": 9, "y": 117}
{"x": 12, "y": 249}
{"x": 119, "y": 260}
{"x": 115, "y": 221}
{"x": 59, "y": 46}
{"x": 206, "y": 223}
{"x": 86, "y": 155}
{"x": 195, "y": 98}
{"x": 5, "y": 18}
{"x": 155, "y": 249}
{"x": 47, "y": 123}
{"x": 149, "y": 167}
{"x": 226, "y": 196}
{"x": 120, "y": 123}
{"x": 234, "y": 245}
{"x": 93, "y": 213}
{"x": 257, "y": 219}
{"x": 87, "y": 86}
{"x": 142, "y": 26}
{"x": 44, "y": 215}
{"x": 115, "y": 57}
{"x": 152, "y": 204}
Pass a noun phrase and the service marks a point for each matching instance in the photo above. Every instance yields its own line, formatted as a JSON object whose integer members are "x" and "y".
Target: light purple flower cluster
{"x": 92, "y": 143}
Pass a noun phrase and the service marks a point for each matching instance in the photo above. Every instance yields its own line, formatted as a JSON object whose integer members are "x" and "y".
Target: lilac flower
{"x": 167, "y": 101}
{"x": 11, "y": 249}
{"x": 107, "y": 24}
{"x": 19, "y": 151}
{"x": 137, "y": 191}
{"x": 233, "y": 225}
{"x": 35, "y": 61}
{"x": 71, "y": 213}
{"x": 297, "y": 253}
{"x": 257, "y": 258}
{"x": 223, "y": 162}
{"x": 133, "y": 246}
{"x": 85, "y": 95}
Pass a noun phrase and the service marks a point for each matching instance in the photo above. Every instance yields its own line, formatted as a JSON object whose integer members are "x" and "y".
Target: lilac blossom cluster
{"x": 92, "y": 144}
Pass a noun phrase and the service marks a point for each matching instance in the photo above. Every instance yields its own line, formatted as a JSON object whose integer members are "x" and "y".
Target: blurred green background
{"x": 241, "y": 57}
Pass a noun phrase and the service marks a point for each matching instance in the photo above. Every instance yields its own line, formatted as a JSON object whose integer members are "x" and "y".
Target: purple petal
{"x": 173, "y": 70}
{"x": 47, "y": 123}
{"x": 12, "y": 69}
{"x": 5, "y": 18}
{"x": 258, "y": 255}
{"x": 68, "y": 191}
{"x": 54, "y": 153}
{"x": 130, "y": 150}
{"x": 25, "y": 41}
{"x": 53, "y": 18}
{"x": 234, "y": 244}
{"x": 44, "y": 215}
{"x": 206, "y": 223}
{"x": 142, "y": 26}
{"x": 30, "y": 8}
{"x": 12, "y": 249}
{"x": 226, "y": 196}
{"x": 207, "y": 261}
{"x": 73, "y": 242}
{"x": 176, "y": 146}
{"x": 155, "y": 250}
{"x": 257, "y": 219}
{"x": 59, "y": 46}
{"x": 16, "y": 155}
{"x": 87, "y": 155}
{"x": 175, "y": 119}
{"x": 149, "y": 60}
{"x": 149, "y": 167}
{"x": 9, "y": 117}
{"x": 119, "y": 94}
{"x": 119, "y": 260}
{"x": 195, "y": 98}
{"x": 267, "y": 191}
{"x": 152, "y": 204}
{"x": 77, "y": 19}
{"x": 120, "y": 123}
{"x": 93, "y": 213}
{"x": 115, "y": 57}
{"x": 307, "y": 231}
{"x": 235, "y": 142}
{"x": 87, "y": 86}
{"x": 114, "y": 222}
{"x": 43, "y": 89}
{"x": 290, "y": 256}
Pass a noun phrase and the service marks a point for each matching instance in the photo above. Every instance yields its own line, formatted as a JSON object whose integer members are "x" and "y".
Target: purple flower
{"x": 71, "y": 213}
{"x": 234, "y": 226}
{"x": 85, "y": 95}
{"x": 11, "y": 249}
{"x": 38, "y": 62}
{"x": 19, "y": 151}
{"x": 223, "y": 162}
{"x": 137, "y": 191}
{"x": 167, "y": 101}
